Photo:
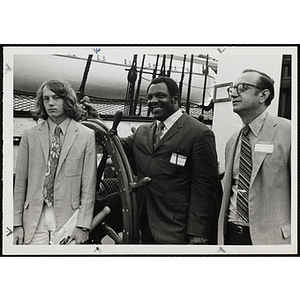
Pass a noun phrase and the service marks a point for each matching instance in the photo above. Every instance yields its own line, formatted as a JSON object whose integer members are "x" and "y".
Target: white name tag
{"x": 264, "y": 147}
{"x": 178, "y": 159}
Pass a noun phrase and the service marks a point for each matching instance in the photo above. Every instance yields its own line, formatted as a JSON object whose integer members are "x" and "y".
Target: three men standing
{"x": 178, "y": 153}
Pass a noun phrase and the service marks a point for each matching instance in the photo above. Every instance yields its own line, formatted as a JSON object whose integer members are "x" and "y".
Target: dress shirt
{"x": 169, "y": 122}
{"x": 255, "y": 129}
{"x": 63, "y": 126}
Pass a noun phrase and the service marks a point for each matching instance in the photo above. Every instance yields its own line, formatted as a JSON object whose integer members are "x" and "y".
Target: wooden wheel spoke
{"x": 125, "y": 194}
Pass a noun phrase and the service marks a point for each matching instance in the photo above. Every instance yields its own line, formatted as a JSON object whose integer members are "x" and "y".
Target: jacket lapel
{"x": 267, "y": 136}
{"x": 44, "y": 139}
{"x": 69, "y": 140}
{"x": 229, "y": 156}
{"x": 150, "y": 137}
{"x": 173, "y": 130}
{"x": 232, "y": 150}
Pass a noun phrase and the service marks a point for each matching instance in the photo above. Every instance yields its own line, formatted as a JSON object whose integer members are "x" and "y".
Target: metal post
{"x": 189, "y": 86}
{"x": 155, "y": 70}
{"x": 182, "y": 77}
{"x": 163, "y": 66}
{"x": 81, "y": 89}
{"x": 137, "y": 94}
{"x": 205, "y": 82}
{"x": 170, "y": 66}
{"x": 131, "y": 84}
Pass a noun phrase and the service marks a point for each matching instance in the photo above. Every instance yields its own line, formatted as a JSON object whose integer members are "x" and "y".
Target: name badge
{"x": 264, "y": 147}
{"x": 178, "y": 159}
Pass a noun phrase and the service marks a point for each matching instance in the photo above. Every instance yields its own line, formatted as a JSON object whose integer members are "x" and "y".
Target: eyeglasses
{"x": 240, "y": 88}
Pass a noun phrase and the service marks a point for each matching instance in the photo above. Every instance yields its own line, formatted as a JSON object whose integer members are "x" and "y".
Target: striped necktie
{"x": 158, "y": 132}
{"x": 51, "y": 167}
{"x": 245, "y": 170}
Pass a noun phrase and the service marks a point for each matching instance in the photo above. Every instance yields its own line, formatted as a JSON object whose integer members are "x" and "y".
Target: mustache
{"x": 152, "y": 103}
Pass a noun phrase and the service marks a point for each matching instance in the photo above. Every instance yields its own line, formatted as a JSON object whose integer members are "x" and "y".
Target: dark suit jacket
{"x": 270, "y": 186}
{"x": 180, "y": 199}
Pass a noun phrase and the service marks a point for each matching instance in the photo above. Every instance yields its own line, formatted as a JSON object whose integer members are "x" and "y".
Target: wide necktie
{"x": 245, "y": 170}
{"x": 158, "y": 132}
{"x": 51, "y": 167}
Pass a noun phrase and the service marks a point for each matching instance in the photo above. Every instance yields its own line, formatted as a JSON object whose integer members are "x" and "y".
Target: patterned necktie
{"x": 245, "y": 170}
{"x": 158, "y": 132}
{"x": 51, "y": 167}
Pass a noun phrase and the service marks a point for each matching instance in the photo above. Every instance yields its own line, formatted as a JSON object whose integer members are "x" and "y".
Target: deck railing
{"x": 24, "y": 102}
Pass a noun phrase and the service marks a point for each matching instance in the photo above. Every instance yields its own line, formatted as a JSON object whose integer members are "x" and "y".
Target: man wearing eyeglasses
{"x": 256, "y": 204}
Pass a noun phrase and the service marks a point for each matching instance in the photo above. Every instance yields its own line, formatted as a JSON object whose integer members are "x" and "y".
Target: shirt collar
{"x": 169, "y": 122}
{"x": 256, "y": 124}
{"x": 63, "y": 125}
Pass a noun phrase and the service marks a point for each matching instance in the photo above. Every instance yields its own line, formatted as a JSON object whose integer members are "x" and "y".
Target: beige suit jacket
{"x": 75, "y": 179}
{"x": 270, "y": 186}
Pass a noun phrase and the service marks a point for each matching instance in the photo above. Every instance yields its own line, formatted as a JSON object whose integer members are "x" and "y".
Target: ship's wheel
{"x": 116, "y": 211}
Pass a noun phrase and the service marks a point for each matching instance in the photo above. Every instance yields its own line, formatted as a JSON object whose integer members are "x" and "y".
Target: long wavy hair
{"x": 62, "y": 89}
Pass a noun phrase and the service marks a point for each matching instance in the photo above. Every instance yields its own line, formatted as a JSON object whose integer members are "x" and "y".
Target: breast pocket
{"x": 73, "y": 166}
{"x": 276, "y": 164}
{"x": 278, "y": 172}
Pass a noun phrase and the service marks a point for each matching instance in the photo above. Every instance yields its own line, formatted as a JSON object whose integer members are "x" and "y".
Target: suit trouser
{"x": 146, "y": 235}
{"x": 237, "y": 235}
{"x": 46, "y": 228}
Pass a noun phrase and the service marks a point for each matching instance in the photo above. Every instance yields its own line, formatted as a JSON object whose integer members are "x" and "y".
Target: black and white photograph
{"x": 150, "y": 150}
